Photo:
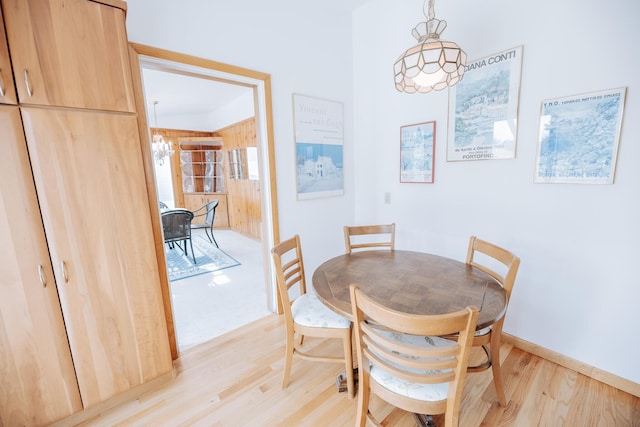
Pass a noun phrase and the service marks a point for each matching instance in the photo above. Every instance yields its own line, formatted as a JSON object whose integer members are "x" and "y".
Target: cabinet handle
{"x": 65, "y": 274}
{"x": 26, "y": 82}
{"x": 1, "y": 85}
{"x": 43, "y": 278}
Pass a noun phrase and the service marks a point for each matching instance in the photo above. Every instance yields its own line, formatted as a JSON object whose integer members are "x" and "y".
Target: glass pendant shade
{"x": 161, "y": 149}
{"x": 432, "y": 64}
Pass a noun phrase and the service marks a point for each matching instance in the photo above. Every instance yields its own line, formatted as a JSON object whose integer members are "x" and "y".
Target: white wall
{"x": 304, "y": 52}
{"x": 164, "y": 184}
{"x": 577, "y": 291}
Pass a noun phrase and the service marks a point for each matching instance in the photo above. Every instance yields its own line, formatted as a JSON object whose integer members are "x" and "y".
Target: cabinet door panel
{"x": 90, "y": 180}
{"x": 222, "y": 217}
{"x": 69, "y": 53}
{"x": 7, "y": 91}
{"x": 193, "y": 202}
{"x": 37, "y": 379}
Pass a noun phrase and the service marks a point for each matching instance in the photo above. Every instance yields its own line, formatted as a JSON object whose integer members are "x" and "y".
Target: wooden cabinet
{"x": 70, "y": 53}
{"x": 7, "y": 90}
{"x": 87, "y": 168}
{"x": 37, "y": 379}
{"x": 81, "y": 312}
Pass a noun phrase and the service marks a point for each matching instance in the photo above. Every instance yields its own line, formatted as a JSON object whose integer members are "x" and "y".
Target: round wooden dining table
{"x": 411, "y": 282}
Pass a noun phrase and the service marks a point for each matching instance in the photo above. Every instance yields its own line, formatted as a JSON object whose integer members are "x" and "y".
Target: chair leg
{"x": 288, "y": 360}
{"x": 206, "y": 231}
{"x": 213, "y": 237}
{"x": 348, "y": 361}
{"x": 363, "y": 399}
{"x": 496, "y": 368}
{"x": 193, "y": 254}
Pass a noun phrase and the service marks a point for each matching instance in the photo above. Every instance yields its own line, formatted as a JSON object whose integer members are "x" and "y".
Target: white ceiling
{"x": 178, "y": 94}
{"x": 339, "y": 5}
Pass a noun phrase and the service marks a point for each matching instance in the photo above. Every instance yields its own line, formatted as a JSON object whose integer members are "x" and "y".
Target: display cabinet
{"x": 202, "y": 174}
{"x": 202, "y": 171}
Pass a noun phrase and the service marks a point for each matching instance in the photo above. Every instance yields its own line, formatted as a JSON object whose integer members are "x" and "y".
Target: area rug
{"x": 208, "y": 259}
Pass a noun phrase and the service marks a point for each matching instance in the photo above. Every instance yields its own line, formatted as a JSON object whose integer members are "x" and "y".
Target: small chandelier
{"x": 431, "y": 64}
{"x": 161, "y": 149}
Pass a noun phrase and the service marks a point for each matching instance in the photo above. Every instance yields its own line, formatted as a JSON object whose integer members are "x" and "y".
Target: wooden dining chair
{"x": 306, "y": 315}
{"x": 379, "y": 236}
{"x": 403, "y": 361}
{"x": 488, "y": 257}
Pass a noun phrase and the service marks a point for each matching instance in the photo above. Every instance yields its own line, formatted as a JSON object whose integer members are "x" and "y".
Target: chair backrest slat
{"x": 510, "y": 262}
{"x": 289, "y": 266}
{"x": 380, "y": 236}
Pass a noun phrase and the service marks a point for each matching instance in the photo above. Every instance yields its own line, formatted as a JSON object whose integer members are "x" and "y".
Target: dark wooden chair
{"x": 176, "y": 228}
{"x": 207, "y": 211}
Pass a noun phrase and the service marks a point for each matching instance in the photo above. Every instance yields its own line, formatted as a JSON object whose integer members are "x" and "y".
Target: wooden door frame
{"x": 261, "y": 84}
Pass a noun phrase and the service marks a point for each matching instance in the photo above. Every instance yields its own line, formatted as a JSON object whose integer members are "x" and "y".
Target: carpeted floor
{"x": 208, "y": 258}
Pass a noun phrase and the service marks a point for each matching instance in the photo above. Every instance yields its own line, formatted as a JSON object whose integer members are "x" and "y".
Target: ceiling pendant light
{"x": 432, "y": 64}
{"x": 161, "y": 149}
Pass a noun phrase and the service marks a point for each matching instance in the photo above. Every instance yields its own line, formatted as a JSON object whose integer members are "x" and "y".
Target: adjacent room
{"x": 205, "y": 161}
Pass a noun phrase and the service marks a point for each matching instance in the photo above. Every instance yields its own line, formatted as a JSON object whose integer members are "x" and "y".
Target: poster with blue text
{"x": 319, "y": 138}
{"x": 578, "y": 138}
{"x": 483, "y": 108}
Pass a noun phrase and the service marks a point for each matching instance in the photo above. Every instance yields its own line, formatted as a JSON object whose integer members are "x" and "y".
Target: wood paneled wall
{"x": 176, "y": 173}
{"x": 243, "y": 195}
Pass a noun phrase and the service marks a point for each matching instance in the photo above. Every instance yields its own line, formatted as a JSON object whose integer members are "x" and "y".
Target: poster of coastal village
{"x": 319, "y": 139}
{"x": 483, "y": 115}
{"x": 579, "y": 135}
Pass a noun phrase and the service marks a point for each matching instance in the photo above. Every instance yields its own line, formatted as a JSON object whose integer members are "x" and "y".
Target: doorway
{"x": 144, "y": 57}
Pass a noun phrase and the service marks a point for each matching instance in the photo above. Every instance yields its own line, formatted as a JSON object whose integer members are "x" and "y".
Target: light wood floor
{"x": 234, "y": 380}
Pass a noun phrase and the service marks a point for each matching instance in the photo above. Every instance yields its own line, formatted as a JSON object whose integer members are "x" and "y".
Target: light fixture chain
{"x": 155, "y": 114}
{"x": 429, "y": 11}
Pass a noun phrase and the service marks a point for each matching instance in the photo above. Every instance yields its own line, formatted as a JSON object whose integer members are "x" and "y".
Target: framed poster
{"x": 483, "y": 109}
{"x": 319, "y": 136}
{"x": 417, "y": 152}
{"x": 578, "y": 138}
